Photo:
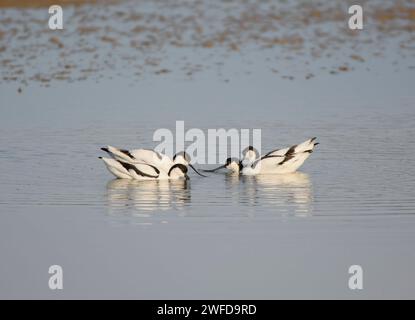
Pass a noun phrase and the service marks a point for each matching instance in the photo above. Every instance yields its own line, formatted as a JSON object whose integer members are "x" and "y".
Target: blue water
{"x": 224, "y": 236}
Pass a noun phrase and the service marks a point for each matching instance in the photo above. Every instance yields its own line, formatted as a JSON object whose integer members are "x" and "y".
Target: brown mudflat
{"x": 41, "y": 3}
{"x": 134, "y": 38}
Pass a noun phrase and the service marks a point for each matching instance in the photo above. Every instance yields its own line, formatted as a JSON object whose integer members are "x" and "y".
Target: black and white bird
{"x": 143, "y": 171}
{"x": 145, "y": 164}
{"x": 279, "y": 161}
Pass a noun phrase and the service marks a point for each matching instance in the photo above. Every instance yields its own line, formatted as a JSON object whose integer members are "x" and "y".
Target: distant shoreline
{"x": 44, "y": 3}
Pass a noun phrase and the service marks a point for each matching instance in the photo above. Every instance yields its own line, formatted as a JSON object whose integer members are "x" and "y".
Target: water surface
{"x": 225, "y": 236}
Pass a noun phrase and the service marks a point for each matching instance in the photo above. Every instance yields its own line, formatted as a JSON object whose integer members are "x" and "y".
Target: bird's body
{"x": 147, "y": 156}
{"x": 143, "y": 171}
{"x": 279, "y": 161}
{"x": 146, "y": 164}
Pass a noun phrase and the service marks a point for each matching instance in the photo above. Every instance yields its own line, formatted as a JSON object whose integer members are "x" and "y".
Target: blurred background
{"x": 136, "y": 40}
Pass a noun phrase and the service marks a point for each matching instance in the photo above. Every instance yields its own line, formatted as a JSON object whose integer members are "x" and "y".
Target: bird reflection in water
{"x": 147, "y": 196}
{"x": 289, "y": 194}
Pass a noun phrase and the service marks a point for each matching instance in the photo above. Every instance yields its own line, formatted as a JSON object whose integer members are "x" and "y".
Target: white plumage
{"x": 279, "y": 161}
{"x": 146, "y": 164}
{"x": 143, "y": 171}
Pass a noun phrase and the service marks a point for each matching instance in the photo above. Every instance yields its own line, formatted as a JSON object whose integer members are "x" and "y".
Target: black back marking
{"x": 271, "y": 152}
{"x": 287, "y": 157}
{"x": 291, "y": 150}
{"x": 128, "y": 167}
{"x": 126, "y": 152}
{"x": 270, "y": 156}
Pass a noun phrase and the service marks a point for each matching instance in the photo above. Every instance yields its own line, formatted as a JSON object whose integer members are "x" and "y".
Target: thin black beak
{"x": 216, "y": 169}
{"x": 202, "y": 175}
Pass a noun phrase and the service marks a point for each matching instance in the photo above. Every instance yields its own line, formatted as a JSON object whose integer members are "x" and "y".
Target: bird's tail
{"x": 116, "y": 168}
{"x": 119, "y": 154}
{"x": 306, "y": 146}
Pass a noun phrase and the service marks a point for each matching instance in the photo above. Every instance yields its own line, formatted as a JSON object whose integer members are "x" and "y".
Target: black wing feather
{"x": 128, "y": 167}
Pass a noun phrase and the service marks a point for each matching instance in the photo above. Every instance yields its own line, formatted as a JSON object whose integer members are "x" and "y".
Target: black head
{"x": 179, "y": 166}
{"x": 229, "y": 161}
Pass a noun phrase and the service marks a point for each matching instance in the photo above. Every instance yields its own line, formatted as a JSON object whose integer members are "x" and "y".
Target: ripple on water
{"x": 349, "y": 174}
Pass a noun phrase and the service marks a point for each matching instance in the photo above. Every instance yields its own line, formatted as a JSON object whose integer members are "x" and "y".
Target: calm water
{"x": 291, "y": 236}
{"x": 219, "y": 237}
